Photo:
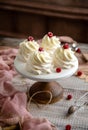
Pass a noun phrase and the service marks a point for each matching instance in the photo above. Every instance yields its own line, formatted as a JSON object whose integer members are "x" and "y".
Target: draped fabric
{"x": 12, "y": 102}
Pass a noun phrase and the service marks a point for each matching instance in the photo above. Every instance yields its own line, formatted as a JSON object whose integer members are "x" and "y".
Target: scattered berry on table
{"x": 79, "y": 73}
{"x": 68, "y": 127}
{"x": 69, "y": 96}
{"x": 78, "y": 50}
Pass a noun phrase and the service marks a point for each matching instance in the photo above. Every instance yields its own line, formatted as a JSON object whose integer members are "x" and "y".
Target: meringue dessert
{"x": 64, "y": 57}
{"x": 47, "y": 56}
{"x": 50, "y": 42}
{"x": 39, "y": 62}
{"x": 27, "y": 47}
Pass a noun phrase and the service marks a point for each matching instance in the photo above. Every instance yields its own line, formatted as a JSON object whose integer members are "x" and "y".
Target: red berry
{"x": 50, "y": 34}
{"x": 78, "y": 50}
{"x": 66, "y": 46}
{"x": 30, "y": 38}
{"x": 58, "y": 70}
{"x": 79, "y": 73}
{"x": 69, "y": 97}
{"x": 68, "y": 127}
{"x": 41, "y": 49}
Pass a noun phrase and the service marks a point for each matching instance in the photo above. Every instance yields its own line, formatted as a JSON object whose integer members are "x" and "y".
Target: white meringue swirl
{"x": 26, "y": 48}
{"x": 50, "y": 43}
{"x": 64, "y": 58}
{"x": 39, "y": 62}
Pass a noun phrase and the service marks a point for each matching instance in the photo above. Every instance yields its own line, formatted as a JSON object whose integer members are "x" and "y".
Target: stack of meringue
{"x": 45, "y": 57}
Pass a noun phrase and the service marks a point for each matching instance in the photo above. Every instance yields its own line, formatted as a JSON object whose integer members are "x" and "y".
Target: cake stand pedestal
{"x": 46, "y": 89}
{"x": 46, "y": 92}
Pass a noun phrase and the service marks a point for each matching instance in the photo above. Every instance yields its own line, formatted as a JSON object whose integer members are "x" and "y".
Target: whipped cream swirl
{"x": 39, "y": 62}
{"x": 64, "y": 58}
{"x": 26, "y": 48}
{"x": 50, "y": 43}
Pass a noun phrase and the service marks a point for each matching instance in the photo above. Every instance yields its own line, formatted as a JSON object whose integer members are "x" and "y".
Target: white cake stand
{"x": 45, "y": 82}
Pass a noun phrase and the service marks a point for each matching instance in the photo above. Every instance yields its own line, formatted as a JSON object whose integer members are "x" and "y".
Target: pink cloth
{"x": 13, "y": 103}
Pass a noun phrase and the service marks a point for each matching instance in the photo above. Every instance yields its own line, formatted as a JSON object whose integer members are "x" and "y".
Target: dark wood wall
{"x": 21, "y": 18}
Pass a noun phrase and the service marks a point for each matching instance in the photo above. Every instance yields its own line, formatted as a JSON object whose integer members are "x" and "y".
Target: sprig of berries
{"x": 41, "y": 49}
{"x": 66, "y": 46}
{"x": 30, "y": 38}
{"x": 58, "y": 70}
{"x": 50, "y": 34}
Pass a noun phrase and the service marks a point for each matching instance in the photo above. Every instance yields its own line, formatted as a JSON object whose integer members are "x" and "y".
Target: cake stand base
{"x": 46, "y": 92}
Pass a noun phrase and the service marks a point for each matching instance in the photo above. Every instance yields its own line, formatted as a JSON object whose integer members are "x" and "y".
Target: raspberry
{"x": 50, "y": 34}
{"x": 69, "y": 97}
{"x": 79, "y": 73}
{"x": 58, "y": 70}
{"x": 68, "y": 127}
{"x": 41, "y": 49}
{"x": 78, "y": 50}
{"x": 30, "y": 38}
{"x": 66, "y": 46}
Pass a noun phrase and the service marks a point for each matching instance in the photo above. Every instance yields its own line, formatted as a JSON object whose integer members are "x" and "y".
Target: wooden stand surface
{"x": 43, "y": 91}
